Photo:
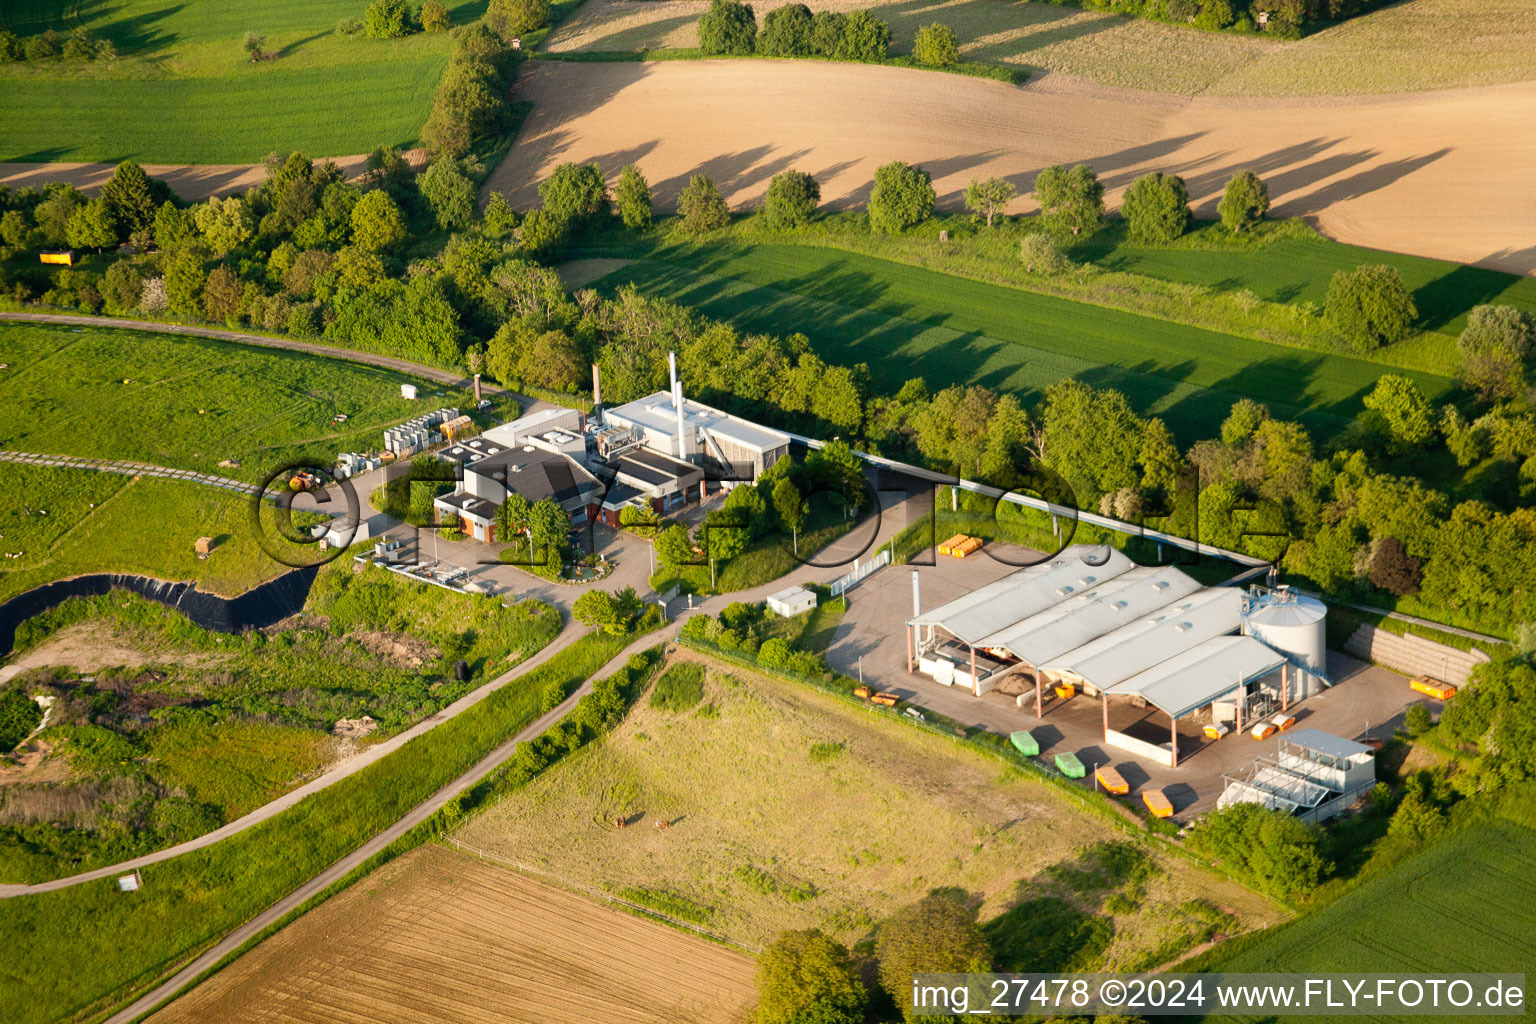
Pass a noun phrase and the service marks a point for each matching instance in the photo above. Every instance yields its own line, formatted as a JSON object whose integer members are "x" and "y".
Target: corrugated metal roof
{"x": 1031, "y": 590}
{"x": 1326, "y": 743}
{"x": 656, "y": 412}
{"x": 1137, "y": 646}
{"x": 1092, "y": 613}
{"x": 1199, "y": 675}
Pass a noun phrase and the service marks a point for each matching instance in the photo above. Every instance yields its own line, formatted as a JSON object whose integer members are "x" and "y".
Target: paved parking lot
{"x": 1365, "y": 700}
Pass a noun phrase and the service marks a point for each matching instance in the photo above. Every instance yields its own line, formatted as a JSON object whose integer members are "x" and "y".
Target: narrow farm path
{"x": 193, "y": 971}
{"x": 124, "y": 468}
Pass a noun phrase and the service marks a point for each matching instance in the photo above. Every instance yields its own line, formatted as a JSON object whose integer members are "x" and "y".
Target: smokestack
{"x": 478, "y": 399}
{"x": 597, "y": 386}
{"x": 677, "y": 407}
{"x": 917, "y": 597}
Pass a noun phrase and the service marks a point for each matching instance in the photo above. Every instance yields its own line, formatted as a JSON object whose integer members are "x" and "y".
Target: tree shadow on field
{"x": 1455, "y": 293}
{"x": 135, "y": 36}
{"x": 1015, "y": 28}
{"x": 748, "y": 171}
{"x": 299, "y": 43}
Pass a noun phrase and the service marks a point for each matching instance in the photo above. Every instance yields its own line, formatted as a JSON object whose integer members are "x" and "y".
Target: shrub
{"x": 936, "y": 46}
{"x": 450, "y": 194}
{"x": 1041, "y": 255}
{"x": 728, "y": 27}
{"x": 936, "y": 934}
{"x": 1156, "y": 208}
{"x": 1070, "y": 200}
{"x": 632, "y": 196}
{"x": 254, "y": 45}
{"x": 807, "y": 977}
{"x": 349, "y": 26}
{"x": 679, "y": 688}
{"x": 577, "y": 194}
{"x": 513, "y": 18}
{"x": 434, "y": 16}
{"x": 702, "y": 206}
{"x": 864, "y": 38}
{"x": 11, "y": 48}
{"x": 388, "y": 19}
{"x": 1370, "y": 306}
{"x": 1493, "y": 350}
{"x": 541, "y": 234}
{"x": 1419, "y": 720}
{"x": 1271, "y": 850}
{"x": 1244, "y": 202}
{"x": 792, "y": 199}
{"x": 1215, "y": 14}
{"x": 19, "y": 715}
{"x": 41, "y": 47}
{"x": 786, "y": 32}
{"x": 827, "y": 32}
{"x": 903, "y": 196}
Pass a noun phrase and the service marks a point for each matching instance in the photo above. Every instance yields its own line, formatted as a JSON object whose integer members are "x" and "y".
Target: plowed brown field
{"x": 438, "y": 936}
{"x": 1442, "y": 174}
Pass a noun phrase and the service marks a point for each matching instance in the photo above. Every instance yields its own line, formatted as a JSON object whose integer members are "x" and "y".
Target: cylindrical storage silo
{"x": 1296, "y": 626}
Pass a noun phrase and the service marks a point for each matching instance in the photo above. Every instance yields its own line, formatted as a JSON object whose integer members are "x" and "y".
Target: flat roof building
{"x": 728, "y": 446}
{"x": 491, "y": 470}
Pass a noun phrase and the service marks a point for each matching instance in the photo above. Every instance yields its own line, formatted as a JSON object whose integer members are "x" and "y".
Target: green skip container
{"x": 1070, "y": 766}
{"x": 1024, "y": 742}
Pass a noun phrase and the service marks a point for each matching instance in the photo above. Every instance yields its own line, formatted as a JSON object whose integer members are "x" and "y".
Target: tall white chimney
{"x": 917, "y": 597}
{"x": 597, "y": 386}
{"x": 677, "y": 408}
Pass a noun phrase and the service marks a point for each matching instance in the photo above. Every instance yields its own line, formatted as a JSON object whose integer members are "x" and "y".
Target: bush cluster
{"x": 730, "y": 27}
{"x": 470, "y": 103}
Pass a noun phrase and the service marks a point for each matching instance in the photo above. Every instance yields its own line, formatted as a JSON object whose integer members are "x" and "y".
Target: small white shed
{"x": 792, "y": 601}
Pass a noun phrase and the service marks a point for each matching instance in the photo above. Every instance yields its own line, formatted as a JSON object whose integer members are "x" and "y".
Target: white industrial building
{"x": 1093, "y": 620}
{"x": 731, "y": 448}
{"x": 792, "y": 601}
{"x": 1312, "y": 774}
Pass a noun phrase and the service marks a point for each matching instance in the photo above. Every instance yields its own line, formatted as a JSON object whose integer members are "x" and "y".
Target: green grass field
{"x": 1290, "y": 270}
{"x": 189, "y": 403}
{"x": 144, "y": 526}
{"x": 183, "y": 91}
{"x": 907, "y": 321}
{"x": 1466, "y": 904}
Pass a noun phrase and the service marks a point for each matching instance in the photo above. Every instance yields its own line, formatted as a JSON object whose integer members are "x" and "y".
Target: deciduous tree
{"x": 1156, "y": 208}
{"x": 936, "y": 46}
{"x": 1370, "y": 306}
{"x": 728, "y": 27}
{"x": 807, "y": 978}
{"x": 903, "y": 196}
{"x": 792, "y": 199}
{"x": 632, "y": 196}
{"x": 1244, "y": 202}
{"x": 990, "y": 197}
{"x": 702, "y": 206}
{"x": 937, "y": 934}
{"x": 1070, "y": 199}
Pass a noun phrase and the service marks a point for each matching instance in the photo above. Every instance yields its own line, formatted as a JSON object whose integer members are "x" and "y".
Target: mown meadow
{"x": 181, "y": 88}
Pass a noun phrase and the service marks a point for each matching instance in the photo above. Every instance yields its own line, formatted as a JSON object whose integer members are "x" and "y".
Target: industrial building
{"x": 727, "y": 447}
{"x": 1312, "y": 774}
{"x": 537, "y": 472}
{"x": 1139, "y": 638}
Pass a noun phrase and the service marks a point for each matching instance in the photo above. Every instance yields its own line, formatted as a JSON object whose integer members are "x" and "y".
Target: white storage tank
{"x": 1296, "y": 626}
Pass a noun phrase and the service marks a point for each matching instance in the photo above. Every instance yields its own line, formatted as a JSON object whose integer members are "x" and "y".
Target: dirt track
{"x": 441, "y": 936}
{"x": 1445, "y": 174}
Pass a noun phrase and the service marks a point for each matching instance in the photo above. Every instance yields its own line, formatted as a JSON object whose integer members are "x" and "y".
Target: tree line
{"x": 406, "y": 264}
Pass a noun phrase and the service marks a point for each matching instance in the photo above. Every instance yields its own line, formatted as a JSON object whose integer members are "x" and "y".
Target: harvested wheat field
{"x": 1413, "y": 44}
{"x": 441, "y": 936}
{"x": 1441, "y": 174}
{"x": 787, "y": 808}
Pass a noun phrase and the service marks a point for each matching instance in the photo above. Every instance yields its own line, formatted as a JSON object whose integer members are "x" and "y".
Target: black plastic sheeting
{"x": 262, "y": 606}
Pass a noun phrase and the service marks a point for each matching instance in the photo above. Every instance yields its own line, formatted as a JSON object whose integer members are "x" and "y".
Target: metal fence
{"x": 848, "y": 581}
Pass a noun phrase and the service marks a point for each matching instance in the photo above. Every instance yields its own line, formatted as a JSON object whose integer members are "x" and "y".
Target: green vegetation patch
{"x": 679, "y": 688}
{"x": 906, "y": 321}
{"x": 189, "y": 901}
{"x": 181, "y": 87}
{"x": 189, "y": 403}
{"x": 1467, "y": 903}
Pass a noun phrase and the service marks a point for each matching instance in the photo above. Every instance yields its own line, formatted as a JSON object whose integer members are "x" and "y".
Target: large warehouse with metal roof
{"x": 1091, "y": 620}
